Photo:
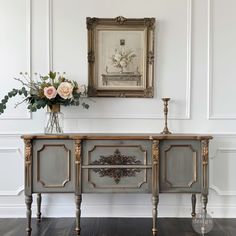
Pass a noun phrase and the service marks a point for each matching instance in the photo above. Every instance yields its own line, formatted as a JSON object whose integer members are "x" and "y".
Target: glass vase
{"x": 54, "y": 120}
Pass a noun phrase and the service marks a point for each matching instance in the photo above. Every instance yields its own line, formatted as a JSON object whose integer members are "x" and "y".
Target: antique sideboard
{"x": 115, "y": 163}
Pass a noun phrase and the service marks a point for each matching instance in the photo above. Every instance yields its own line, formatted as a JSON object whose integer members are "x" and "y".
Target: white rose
{"x": 117, "y": 57}
{"x": 123, "y": 63}
{"x": 65, "y": 90}
{"x": 81, "y": 89}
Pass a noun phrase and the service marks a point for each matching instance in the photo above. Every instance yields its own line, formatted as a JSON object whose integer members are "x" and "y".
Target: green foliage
{"x": 11, "y": 94}
{"x": 52, "y": 75}
{"x": 33, "y": 92}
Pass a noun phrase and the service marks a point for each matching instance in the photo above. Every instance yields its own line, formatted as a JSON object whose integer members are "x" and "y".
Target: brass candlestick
{"x": 165, "y": 130}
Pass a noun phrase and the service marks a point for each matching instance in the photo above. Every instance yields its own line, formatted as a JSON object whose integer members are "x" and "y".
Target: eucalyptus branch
{"x": 19, "y": 103}
{"x": 31, "y": 86}
{"x": 40, "y": 91}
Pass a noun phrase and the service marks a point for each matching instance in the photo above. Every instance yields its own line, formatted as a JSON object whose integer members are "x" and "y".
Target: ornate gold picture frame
{"x": 120, "y": 57}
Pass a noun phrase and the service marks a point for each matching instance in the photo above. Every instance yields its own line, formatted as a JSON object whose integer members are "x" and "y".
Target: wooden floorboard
{"x": 113, "y": 227}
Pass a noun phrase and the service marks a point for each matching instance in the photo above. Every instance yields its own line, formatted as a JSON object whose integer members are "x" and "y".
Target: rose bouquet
{"x": 122, "y": 58}
{"x": 52, "y": 91}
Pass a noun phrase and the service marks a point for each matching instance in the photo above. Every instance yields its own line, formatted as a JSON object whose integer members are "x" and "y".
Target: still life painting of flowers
{"x": 121, "y": 60}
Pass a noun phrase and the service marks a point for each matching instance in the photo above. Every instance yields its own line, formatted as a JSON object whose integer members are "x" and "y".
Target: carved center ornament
{"x": 117, "y": 159}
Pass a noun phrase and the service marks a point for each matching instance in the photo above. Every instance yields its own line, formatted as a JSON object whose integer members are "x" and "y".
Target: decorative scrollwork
{"x": 205, "y": 151}
{"x": 150, "y": 23}
{"x": 28, "y": 150}
{"x": 28, "y": 159}
{"x": 91, "y": 57}
{"x": 150, "y": 57}
{"x": 148, "y": 92}
{"x": 78, "y": 151}
{"x": 120, "y": 20}
{"x": 155, "y": 152}
{"x": 91, "y": 22}
{"x": 116, "y": 159}
{"x": 77, "y": 161}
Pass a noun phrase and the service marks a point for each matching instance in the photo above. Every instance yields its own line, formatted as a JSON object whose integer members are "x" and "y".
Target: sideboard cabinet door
{"x": 180, "y": 166}
{"x": 115, "y": 159}
{"x": 53, "y": 166}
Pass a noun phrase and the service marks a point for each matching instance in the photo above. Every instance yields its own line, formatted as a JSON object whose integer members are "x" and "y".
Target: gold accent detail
{"x": 77, "y": 161}
{"x": 91, "y": 22}
{"x": 205, "y": 152}
{"x": 68, "y": 178}
{"x": 91, "y": 58}
{"x": 150, "y": 23}
{"x": 119, "y": 186}
{"x": 165, "y": 130}
{"x": 155, "y": 167}
{"x": 151, "y": 57}
{"x": 28, "y": 159}
{"x": 194, "y": 156}
{"x": 148, "y": 92}
{"x": 120, "y": 20}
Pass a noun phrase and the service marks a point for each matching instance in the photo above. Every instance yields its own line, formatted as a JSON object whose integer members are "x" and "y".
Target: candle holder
{"x": 165, "y": 130}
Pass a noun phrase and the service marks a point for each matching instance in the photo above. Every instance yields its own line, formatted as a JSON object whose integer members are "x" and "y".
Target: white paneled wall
{"x": 195, "y": 65}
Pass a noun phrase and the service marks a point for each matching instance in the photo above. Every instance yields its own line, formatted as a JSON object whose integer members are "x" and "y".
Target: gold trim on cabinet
{"x": 155, "y": 167}
{"x": 68, "y": 178}
{"x": 205, "y": 153}
{"x": 77, "y": 161}
{"x": 195, "y": 168}
{"x": 28, "y": 159}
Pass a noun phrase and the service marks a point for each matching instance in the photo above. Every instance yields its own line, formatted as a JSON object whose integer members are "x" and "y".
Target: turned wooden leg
{"x": 39, "y": 200}
{"x": 204, "y": 203}
{"x": 155, "y": 200}
{"x": 78, "y": 200}
{"x": 193, "y": 205}
{"x": 28, "y": 202}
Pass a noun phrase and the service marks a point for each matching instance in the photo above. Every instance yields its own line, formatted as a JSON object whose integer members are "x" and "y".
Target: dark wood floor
{"x": 113, "y": 227}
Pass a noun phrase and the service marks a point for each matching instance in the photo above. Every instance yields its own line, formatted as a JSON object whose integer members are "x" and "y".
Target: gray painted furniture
{"x": 102, "y": 163}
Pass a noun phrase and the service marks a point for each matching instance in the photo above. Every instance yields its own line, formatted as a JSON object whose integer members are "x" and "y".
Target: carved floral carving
{"x": 117, "y": 159}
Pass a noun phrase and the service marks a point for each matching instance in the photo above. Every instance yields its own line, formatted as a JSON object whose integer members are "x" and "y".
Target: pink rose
{"x": 65, "y": 90}
{"x": 50, "y": 92}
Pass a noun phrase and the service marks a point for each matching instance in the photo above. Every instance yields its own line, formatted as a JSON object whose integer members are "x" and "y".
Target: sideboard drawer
{"x": 116, "y": 166}
{"x": 180, "y": 166}
{"x": 53, "y": 166}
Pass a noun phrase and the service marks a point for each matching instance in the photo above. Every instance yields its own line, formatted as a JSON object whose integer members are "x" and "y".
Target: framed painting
{"x": 120, "y": 57}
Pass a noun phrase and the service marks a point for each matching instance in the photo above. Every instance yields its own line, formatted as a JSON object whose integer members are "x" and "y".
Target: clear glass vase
{"x": 54, "y": 120}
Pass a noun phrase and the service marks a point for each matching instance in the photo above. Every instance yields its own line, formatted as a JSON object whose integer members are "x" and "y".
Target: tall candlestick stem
{"x": 165, "y": 130}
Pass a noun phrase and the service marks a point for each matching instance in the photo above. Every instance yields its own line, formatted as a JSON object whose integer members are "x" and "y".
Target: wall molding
{"x": 28, "y": 115}
{"x": 210, "y": 52}
{"x": 16, "y": 192}
{"x": 20, "y": 188}
{"x": 213, "y": 186}
{"x": 186, "y": 116}
{"x": 50, "y": 35}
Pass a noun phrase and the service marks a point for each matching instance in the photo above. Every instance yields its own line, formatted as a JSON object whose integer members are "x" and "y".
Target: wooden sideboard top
{"x": 118, "y": 136}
